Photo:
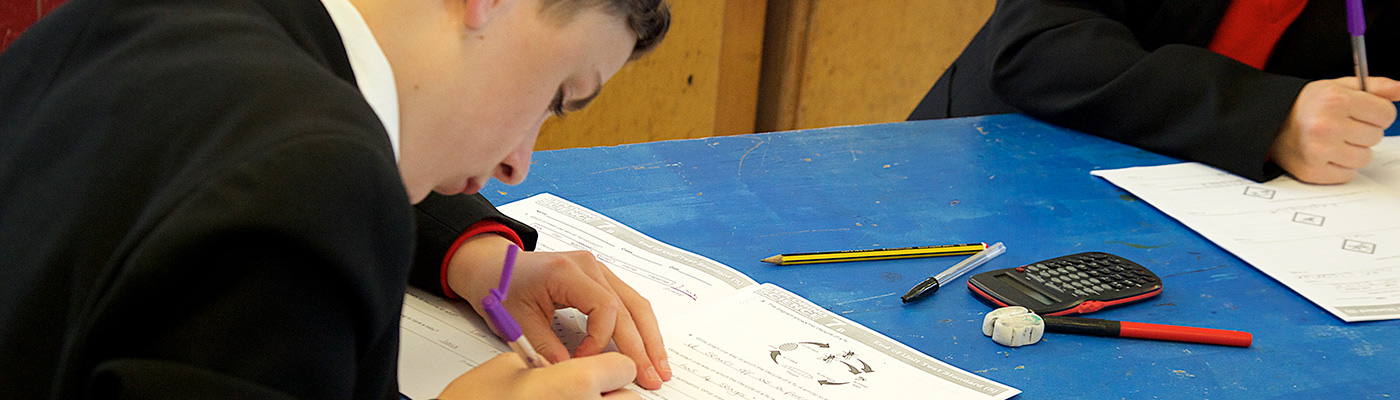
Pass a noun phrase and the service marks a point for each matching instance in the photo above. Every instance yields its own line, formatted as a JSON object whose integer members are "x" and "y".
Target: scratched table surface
{"x": 1006, "y": 178}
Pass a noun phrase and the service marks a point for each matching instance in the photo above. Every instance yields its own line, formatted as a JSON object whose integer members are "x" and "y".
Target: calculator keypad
{"x": 1089, "y": 274}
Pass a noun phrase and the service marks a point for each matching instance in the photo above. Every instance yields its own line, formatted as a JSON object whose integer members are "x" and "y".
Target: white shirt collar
{"x": 372, "y": 72}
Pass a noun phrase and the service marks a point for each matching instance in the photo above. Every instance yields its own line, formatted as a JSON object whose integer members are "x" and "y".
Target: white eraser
{"x": 1013, "y": 326}
{"x": 991, "y": 318}
{"x": 1019, "y": 330}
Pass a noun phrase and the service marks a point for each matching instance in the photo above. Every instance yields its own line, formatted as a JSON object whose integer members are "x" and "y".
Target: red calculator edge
{"x": 1087, "y": 306}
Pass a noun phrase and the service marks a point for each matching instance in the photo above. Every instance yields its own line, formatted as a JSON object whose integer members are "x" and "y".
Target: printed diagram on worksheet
{"x": 1337, "y": 245}
{"x": 767, "y": 343}
{"x": 1358, "y": 246}
{"x": 1310, "y": 219}
{"x": 818, "y": 362}
{"x": 1260, "y": 192}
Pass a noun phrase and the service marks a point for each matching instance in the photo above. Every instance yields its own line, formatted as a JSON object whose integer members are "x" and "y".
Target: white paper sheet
{"x": 767, "y": 343}
{"x": 439, "y": 340}
{"x": 1337, "y": 245}
{"x": 672, "y": 279}
{"x": 727, "y": 336}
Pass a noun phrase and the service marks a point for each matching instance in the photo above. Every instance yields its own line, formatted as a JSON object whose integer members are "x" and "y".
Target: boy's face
{"x": 473, "y": 94}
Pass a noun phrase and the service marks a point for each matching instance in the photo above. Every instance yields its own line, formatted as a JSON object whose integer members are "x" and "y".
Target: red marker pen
{"x": 1102, "y": 327}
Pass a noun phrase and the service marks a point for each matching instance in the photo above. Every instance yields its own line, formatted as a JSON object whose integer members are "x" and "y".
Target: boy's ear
{"x": 478, "y": 13}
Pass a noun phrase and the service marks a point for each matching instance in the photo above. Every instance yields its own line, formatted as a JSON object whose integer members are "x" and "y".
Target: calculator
{"x": 1072, "y": 284}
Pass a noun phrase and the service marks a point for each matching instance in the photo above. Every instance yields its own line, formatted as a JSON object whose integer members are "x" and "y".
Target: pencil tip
{"x": 778, "y": 259}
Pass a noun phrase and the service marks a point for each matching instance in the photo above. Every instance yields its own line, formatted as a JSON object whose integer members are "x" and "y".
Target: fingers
{"x": 1350, "y": 157}
{"x": 648, "y": 329}
{"x": 611, "y": 314}
{"x": 1385, "y": 88}
{"x": 1342, "y": 97}
{"x": 622, "y": 394}
{"x": 1373, "y": 106}
{"x": 616, "y": 313}
{"x": 1326, "y": 175}
{"x": 621, "y": 329}
{"x": 537, "y": 324}
{"x": 613, "y": 308}
{"x": 590, "y": 294}
{"x": 507, "y": 377}
{"x": 1318, "y": 163}
{"x": 1377, "y": 113}
{"x": 497, "y": 378}
{"x": 630, "y": 343}
{"x": 1330, "y": 130}
{"x": 601, "y": 373}
{"x": 543, "y": 282}
{"x": 1319, "y": 168}
{"x": 564, "y": 279}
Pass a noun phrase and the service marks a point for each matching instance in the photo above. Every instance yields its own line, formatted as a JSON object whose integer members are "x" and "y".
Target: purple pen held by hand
{"x": 498, "y": 316}
{"x": 1356, "y": 26}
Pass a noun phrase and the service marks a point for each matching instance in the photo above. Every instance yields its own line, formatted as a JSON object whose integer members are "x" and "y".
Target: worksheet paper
{"x": 1337, "y": 245}
{"x": 727, "y": 336}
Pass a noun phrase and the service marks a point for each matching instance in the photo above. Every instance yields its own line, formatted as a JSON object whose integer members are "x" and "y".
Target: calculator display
{"x": 1076, "y": 283}
{"x": 1032, "y": 293}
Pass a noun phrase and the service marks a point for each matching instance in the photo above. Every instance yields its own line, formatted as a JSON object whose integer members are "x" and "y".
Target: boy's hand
{"x": 507, "y": 377}
{"x": 1329, "y": 133}
{"x": 544, "y": 282}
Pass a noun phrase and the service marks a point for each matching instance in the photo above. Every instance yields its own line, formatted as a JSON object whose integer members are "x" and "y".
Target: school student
{"x": 225, "y": 199}
{"x": 1254, "y": 87}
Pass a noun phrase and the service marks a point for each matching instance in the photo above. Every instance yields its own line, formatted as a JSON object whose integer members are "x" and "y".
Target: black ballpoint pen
{"x": 931, "y": 285}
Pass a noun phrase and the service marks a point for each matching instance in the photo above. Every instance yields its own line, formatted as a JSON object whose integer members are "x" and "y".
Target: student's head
{"x": 648, "y": 19}
{"x": 477, "y": 78}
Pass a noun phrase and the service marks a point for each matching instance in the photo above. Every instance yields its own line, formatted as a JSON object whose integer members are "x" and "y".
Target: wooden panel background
{"x": 741, "y": 66}
{"x": 857, "y": 62}
{"x": 701, "y": 81}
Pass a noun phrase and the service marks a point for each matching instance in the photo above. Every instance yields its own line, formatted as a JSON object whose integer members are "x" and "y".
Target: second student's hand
{"x": 507, "y": 377}
{"x": 1333, "y": 124}
{"x": 546, "y": 281}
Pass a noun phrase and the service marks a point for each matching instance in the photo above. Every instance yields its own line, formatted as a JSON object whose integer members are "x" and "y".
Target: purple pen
{"x": 1356, "y": 25}
{"x": 501, "y": 319}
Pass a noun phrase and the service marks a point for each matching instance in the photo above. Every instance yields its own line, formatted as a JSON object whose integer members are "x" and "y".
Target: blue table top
{"x": 1006, "y": 178}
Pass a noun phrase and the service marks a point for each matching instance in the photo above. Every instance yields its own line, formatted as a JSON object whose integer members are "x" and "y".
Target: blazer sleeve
{"x": 143, "y": 379}
{"x": 441, "y": 221}
{"x": 1083, "y": 65}
{"x": 281, "y": 276}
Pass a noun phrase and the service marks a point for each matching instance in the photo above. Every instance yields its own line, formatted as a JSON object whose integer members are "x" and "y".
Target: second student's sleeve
{"x": 444, "y": 221}
{"x": 1092, "y": 66}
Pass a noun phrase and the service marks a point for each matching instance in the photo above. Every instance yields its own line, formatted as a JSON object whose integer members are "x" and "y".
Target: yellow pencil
{"x": 876, "y": 254}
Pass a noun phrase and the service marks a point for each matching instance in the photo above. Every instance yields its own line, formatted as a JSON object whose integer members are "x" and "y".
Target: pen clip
{"x": 505, "y": 324}
{"x": 507, "y": 269}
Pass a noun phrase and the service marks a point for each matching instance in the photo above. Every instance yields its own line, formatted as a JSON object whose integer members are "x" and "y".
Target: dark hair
{"x": 649, "y": 19}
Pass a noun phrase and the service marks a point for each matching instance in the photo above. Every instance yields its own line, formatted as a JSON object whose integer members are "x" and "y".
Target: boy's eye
{"x": 557, "y": 106}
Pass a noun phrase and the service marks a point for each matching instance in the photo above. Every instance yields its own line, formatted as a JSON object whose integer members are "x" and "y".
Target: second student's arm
{"x": 1091, "y": 66}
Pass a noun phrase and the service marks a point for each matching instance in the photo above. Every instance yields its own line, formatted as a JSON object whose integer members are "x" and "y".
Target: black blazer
{"x": 1138, "y": 72}
{"x": 197, "y": 202}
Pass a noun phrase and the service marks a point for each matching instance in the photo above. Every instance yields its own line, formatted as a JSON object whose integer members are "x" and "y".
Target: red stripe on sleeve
{"x": 480, "y": 227}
